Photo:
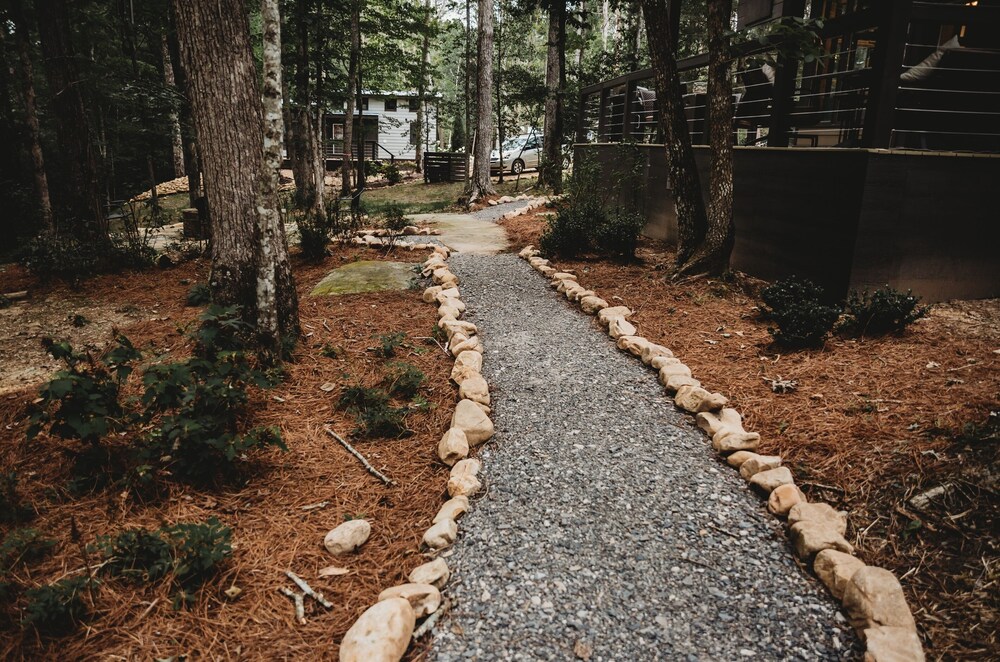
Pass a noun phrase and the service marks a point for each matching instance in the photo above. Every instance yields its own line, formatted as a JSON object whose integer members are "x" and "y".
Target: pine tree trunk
{"x": 550, "y": 172}
{"x": 82, "y": 182}
{"x": 192, "y": 164}
{"x": 27, "y": 75}
{"x": 691, "y": 219}
{"x": 249, "y": 255}
{"x": 712, "y": 256}
{"x": 352, "y": 100}
{"x": 176, "y": 140}
{"x": 482, "y": 185}
{"x": 302, "y": 140}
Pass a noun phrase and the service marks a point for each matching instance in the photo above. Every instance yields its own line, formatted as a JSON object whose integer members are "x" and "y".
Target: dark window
{"x": 414, "y": 134}
{"x": 414, "y": 104}
{"x": 364, "y": 103}
{"x": 390, "y": 105}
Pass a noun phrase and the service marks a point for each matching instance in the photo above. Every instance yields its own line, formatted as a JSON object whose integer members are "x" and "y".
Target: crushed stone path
{"x": 607, "y": 531}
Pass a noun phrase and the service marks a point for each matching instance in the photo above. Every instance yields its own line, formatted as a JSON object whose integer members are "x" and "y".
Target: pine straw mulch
{"x": 871, "y": 424}
{"x": 271, "y": 530}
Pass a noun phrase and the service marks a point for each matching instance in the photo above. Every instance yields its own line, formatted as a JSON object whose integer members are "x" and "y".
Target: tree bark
{"x": 307, "y": 168}
{"x": 352, "y": 99}
{"x": 425, "y": 49}
{"x": 712, "y": 256}
{"x": 192, "y": 164}
{"x": 550, "y": 172}
{"x": 691, "y": 219}
{"x": 481, "y": 184}
{"x": 176, "y": 139}
{"x": 248, "y": 242}
{"x": 82, "y": 181}
{"x": 23, "y": 44}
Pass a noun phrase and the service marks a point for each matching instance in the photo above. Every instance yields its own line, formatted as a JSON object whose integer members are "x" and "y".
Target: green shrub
{"x": 129, "y": 251}
{"x": 619, "y": 233}
{"x": 200, "y": 294}
{"x": 392, "y": 174}
{"x": 20, "y": 546}
{"x": 394, "y": 219}
{"x": 57, "y": 608}
{"x": 196, "y": 404}
{"x": 82, "y": 401}
{"x": 796, "y": 306}
{"x": 53, "y": 256}
{"x": 568, "y": 233}
{"x": 390, "y": 343}
{"x": 883, "y": 311}
{"x": 404, "y": 379}
{"x": 374, "y": 412}
{"x": 314, "y": 235}
{"x": 199, "y": 549}
{"x": 139, "y": 555}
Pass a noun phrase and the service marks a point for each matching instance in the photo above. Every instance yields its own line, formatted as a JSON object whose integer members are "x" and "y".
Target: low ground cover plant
{"x": 883, "y": 311}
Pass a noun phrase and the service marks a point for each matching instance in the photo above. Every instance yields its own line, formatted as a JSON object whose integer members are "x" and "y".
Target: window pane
{"x": 390, "y": 104}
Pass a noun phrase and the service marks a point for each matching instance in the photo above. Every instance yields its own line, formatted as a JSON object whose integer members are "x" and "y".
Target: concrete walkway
{"x": 608, "y": 531}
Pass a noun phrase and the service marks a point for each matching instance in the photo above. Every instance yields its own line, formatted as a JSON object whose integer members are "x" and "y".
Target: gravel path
{"x": 607, "y": 530}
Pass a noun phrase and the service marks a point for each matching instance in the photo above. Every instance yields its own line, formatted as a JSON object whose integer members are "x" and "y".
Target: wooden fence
{"x": 445, "y": 167}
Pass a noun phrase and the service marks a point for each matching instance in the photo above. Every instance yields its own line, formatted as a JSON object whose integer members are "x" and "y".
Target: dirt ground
{"x": 272, "y": 528}
{"x": 870, "y": 424}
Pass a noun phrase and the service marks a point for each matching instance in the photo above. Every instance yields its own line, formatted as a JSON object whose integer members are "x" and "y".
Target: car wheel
{"x": 517, "y": 167}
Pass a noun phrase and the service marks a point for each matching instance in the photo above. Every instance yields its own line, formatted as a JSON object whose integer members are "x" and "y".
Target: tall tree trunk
{"x": 176, "y": 139}
{"x": 302, "y": 139}
{"x": 550, "y": 172}
{"x": 481, "y": 184}
{"x": 497, "y": 76}
{"x": 352, "y": 99}
{"x": 192, "y": 163}
{"x": 23, "y": 43}
{"x": 712, "y": 256}
{"x": 425, "y": 49}
{"x": 273, "y": 271}
{"x": 82, "y": 183}
{"x": 691, "y": 220}
{"x": 248, "y": 240}
{"x": 468, "y": 86}
{"x": 361, "y": 175}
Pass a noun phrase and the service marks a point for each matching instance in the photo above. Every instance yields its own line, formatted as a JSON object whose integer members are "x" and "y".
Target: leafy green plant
{"x": 78, "y": 320}
{"x": 57, "y": 608}
{"x": 63, "y": 257}
{"x": 601, "y": 211}
{"x": 199, "y": 549}
{"x": 200, "y": 294}
{"x": 332, "y": 351}
{"x": 374, "y": 412}
{"x": 139, "y": 555}
{"x": 12, "y": 509}
{"x": 82, "y": 401}
{"x": 392, "y": 174}
{"x": 390, "y": 344}
{"x": 883, "y": 311}
{"x": 22, "y": 545}
{"x": 314, "y": 234}
{"x": 404, "y": 379}
{"x": 796, "y": 306}
{"x": 393, "y": 220}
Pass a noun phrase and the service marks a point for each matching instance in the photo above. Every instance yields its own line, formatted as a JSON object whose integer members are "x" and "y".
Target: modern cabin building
{"x": 390, "y": 127}
{"x": 874, "y": 164}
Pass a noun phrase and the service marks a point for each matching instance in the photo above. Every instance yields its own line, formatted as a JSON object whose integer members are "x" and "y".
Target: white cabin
{"x": 390, "y": 120}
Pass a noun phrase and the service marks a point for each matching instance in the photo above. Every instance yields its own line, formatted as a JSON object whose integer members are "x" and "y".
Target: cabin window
{"x": 364, "y": 103}
{"x": 413, "y": 104}
{"x": 390, "y": 105}
{"x": 414, "y": 133}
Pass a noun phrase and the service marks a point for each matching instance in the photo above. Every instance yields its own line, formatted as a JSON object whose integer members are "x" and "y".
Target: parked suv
{"x": 519, "y": 154}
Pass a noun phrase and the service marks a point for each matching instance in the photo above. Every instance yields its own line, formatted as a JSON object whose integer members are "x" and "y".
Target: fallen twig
{"x": 443, "y": 348}
{"x": 350, "y": 449}
{"x": 308, "y": 590}
{"x": 432, "y": 620}
{"x": 314, "y": 506}
{"x": 300, "y": 604}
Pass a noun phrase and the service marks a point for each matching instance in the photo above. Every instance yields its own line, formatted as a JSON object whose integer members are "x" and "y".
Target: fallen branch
{"x": 432, "y": 620}
{"x": 314, "y": 506}
{"x": 300, "y": 604}
{"x": 15, "y": 296}
{"x": 350, "y": 449}
{"x": 308, "y": 590}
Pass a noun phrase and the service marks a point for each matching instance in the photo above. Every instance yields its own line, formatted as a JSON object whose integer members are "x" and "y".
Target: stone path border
{"x": 384, "y": 631}
{"x": 871, "y": 597}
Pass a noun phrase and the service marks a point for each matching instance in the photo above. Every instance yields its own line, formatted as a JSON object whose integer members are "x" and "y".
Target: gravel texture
{"x": 607, "y": 529}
